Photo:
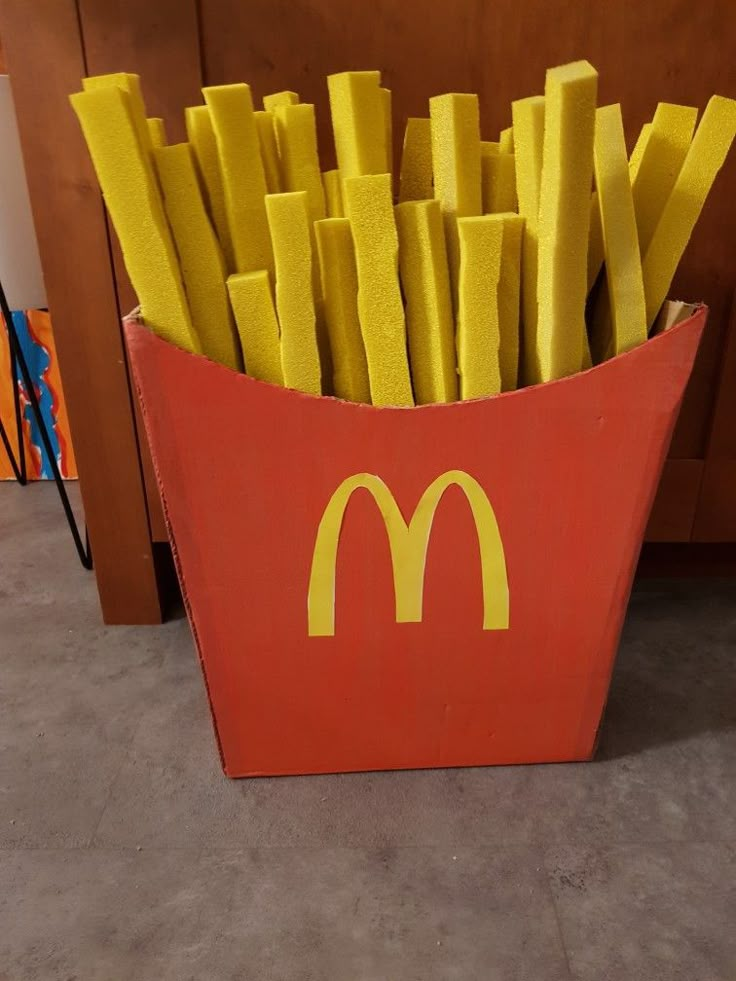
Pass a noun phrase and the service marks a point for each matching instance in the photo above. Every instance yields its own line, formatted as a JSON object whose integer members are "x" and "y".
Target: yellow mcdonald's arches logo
{"x": 408, "y": 544}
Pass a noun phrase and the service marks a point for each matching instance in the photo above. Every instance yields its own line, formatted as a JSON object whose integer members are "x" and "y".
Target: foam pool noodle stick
{"x": 498, "y": 182}
{"x": 388, "y": 129}
{"x": 131, "y": 84}
{"x": 670, "y": 136}
{"x": 202, "y": 265}
{"x": 265, "y": 125}
{"x": 369, "y": 206}
{"x": 332, "y": 184}
{"x": 415, "y": 176}
{"x": 705, "y": 157}
{"x": 528, "y": 116}
{"x": 340, "y": 292}
{"x": 619, "y": 321}
{"x": 156, "y": 131}
{"x": 478, "y": 330}
{"x": 425, "y": 282}
{"x": 243, "y": 177}
{"x": 258, "y": 327}
{"x": 564, "y": 218}
{"x": 129, "y": 186}
{"x": 358, "y": 122}
{"x": 286, "y": 98}
{"x": 288, "y": 220}
{"x": 296, "y": 128}
{"x": 456, "y": 166}
{"x": 201, "y": 138}
{"x": 509, "y": 296}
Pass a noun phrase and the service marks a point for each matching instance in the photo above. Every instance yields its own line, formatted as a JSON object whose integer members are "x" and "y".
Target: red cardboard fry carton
{"x": 379, "y": 588}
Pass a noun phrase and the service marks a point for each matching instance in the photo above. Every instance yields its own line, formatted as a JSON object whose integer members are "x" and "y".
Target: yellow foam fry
{"x": 415, "y": 176}
{"x": 595, "y": 235}
{"x": 661, "y": 160}
{"x": 258, "y": 328}
{"x": 369, "y": 206}
{"x": 358, "y": 122}
{"x": 456, "y": 166}
{"x": 243, "y": 178}
{"x": 388, "y": 125}
{"x": 288, "y": 220}
{"x": 271, "y": 102}
{"x": 638, "y": 152}
{"x": 201, "y": 137}
{"x": 332, "y": 184}
{"x": 509, "y": 290}
{"x": 156, "y": 131}
{"x": 269, "y": 154}
{"x": 528, "y": 117}
{"x": 131, "y": 193}
{"x": 340, "y": 292}
{"x": 488, "y": 148}
{"x": 426, "y": 284}
{"x": 506, "y": 140}
{"x": 202, "y": 265}
{"x": 478, "y": 331}
{"x": 619, "y": 323}
{"x": 132, "y": 85}
{"x": 296, "y": 127}
{"x": 564, "y": 218}
{"x": 707, "y": 153}
{"x": 498, "y": 182}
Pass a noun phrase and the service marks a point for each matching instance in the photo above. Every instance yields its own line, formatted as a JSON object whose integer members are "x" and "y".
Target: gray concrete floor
{"x": 125, "y": 854}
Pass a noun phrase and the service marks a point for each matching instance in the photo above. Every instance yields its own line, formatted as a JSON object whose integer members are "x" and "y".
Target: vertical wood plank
{"x": 75, "y": 255}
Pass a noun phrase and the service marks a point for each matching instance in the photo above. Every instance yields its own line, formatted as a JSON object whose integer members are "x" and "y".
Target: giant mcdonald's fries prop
{"x": 448, "y": 393}
{"x": 580, "y": 209}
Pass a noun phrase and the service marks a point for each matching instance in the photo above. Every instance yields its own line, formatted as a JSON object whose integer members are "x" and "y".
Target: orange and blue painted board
{"x": 33, "y": 328}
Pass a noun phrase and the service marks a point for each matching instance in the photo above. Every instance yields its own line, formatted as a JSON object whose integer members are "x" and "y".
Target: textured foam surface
{"x": 332, "y": 186}
{"x": 202, "y": 265}
{"x": 358, "y": 122}
{"x": 369, "y": 206}
{"x": 276, "y": 99}
{"x": 258, "y": 328}
{"x": 201, "y": 137}
{"x": 415, "y": 179}
{"x": 528, "y": 116}
{"x": 156, "y": 131}
{"x": 661, "y": 159}
{"x": 288, "y": 220}
{"x": 619, "y": 323}
{"x": 707, "y": 153}
{"x": 509, "y": 290}
{"x": 243, "y": 178}
{"x": 564, "y": 218}
{"x": 132, "y": 85}
{"x": 478, "y": 332}
{"x": 498, "y": 182}
{"x": 506, "y": 140}
{"x": 265, "y": 124}
{"x": 595, "y": 235}
{"x": 425, "y": 280}
{"x": 388, "y": 129}
{"x": 456, "y": 166}
{"x": 129, "y": 186}
{"x": 297, "y": 138}
{"x": 339, "y": 278}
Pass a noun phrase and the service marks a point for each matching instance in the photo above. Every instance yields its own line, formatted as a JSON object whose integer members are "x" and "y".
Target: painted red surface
{"x": 246, "y": 470}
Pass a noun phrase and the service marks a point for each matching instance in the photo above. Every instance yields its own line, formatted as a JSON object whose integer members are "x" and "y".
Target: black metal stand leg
{"x": 19, "y": 467}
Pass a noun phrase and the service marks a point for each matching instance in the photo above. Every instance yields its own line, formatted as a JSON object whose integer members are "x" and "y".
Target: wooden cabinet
{"x": 662, "y": 50}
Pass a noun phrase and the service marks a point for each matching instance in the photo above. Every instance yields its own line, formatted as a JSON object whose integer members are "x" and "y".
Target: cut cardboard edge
{"x": 674, "y": 316}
